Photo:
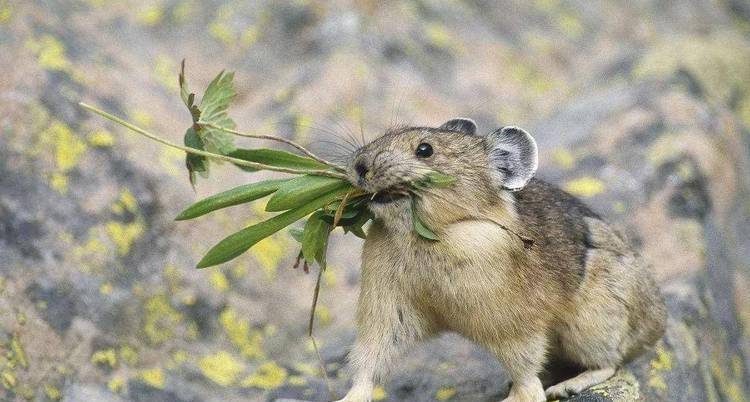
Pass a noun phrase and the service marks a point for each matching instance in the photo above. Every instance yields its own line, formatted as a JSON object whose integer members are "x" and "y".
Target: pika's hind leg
{"x": 578, "y": 383}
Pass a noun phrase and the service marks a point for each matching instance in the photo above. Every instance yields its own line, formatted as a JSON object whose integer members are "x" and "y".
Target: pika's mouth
{"x": 389, "y": 195}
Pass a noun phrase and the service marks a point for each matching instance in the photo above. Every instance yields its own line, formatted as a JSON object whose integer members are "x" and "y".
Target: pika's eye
{"x": 424, "y": 150}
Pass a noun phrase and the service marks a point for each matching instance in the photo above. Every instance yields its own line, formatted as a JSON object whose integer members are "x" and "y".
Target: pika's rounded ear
{"x": 462, "y": 125}
{"x": 513, "y": 157}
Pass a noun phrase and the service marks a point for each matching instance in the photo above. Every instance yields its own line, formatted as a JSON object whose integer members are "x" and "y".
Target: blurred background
{"x": 641, "y": 108}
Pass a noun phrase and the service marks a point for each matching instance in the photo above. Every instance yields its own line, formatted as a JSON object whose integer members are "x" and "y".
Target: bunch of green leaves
{"x": 319, "y": 191}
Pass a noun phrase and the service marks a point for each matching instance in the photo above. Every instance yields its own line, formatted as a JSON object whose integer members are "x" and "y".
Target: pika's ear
{"x": 462, "y": 125}
{"x": 513, "y": 157}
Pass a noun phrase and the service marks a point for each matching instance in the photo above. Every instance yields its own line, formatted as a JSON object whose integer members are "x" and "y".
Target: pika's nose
{"x": 361, "y": 169}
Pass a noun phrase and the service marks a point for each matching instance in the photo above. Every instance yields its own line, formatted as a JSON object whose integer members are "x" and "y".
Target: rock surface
{"x": 640, "y": 109}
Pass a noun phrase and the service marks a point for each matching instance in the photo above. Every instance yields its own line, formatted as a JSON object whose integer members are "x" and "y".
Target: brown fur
{"x": 579, "y": 293}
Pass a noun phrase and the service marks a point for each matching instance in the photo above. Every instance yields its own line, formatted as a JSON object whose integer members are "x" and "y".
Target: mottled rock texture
{"x": 641, "y": 108}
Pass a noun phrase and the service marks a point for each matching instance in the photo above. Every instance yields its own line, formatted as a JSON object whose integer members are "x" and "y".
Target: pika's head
{"x": 483, "y": 166}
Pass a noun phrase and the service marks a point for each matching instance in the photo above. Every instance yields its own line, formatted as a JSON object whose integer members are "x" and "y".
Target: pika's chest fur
{"x": 475, "y": 271}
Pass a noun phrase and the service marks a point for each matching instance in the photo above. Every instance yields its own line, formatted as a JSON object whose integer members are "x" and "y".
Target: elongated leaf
{"x": 297, "y": 233}
{"x": 276, "y": 158}
{"x": 302, "y": 190}
{"x": 315, "y": 239}
{"x": 420, "y": 227}
{"x": 238, "y": 243}
{"x": 437, "y": 179}
{"x": 235, "y": 196}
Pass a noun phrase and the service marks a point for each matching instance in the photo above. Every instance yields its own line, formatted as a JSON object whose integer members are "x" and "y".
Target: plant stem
{"x": 236, "y": 161}
{"x": 276, "y": 138}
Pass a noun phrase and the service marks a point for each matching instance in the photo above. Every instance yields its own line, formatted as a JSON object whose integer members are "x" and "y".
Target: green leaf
{"x": 315, "y": 239}
{"x": 437, "y": 179}
{"x": 239, "y": 242}
{"x": 216, "y": 99}
{"x": 302, "y": 190}
{"x": 195, "y": 163}
{"x": 296, "y": 234}
{"x": 420, "y": 227}
{"x": 357, "y": 231}
{"x": 188, "y": 98}
{"x": 356, "y": 226}
{"x": 214, "y": 106}
{"x": 235, "y": 196}
{"x": 276, "y": 158}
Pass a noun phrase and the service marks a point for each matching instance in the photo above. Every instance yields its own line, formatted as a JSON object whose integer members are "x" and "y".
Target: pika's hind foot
{"x": 578, "y": 383}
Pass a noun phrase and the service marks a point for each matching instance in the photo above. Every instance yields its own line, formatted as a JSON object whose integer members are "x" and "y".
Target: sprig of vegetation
{"x": 321, "y": 189}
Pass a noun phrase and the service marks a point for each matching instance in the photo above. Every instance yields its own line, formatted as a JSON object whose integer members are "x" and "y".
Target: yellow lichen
{"x": 249, "y": 342}
{"x": 116, "y": 384}
{"x": 153, "y": 377}
{"x": 8, "y": 378}
{"x": 585, "y": 186}
{"x": 378, "y": 393}
{"x": 52, "y": 392}
{"x": 297, "y": 380}
{"x": 150, "y": 16}
{"x": 445, "y": 393}
{"x": 128, "y": 355}
{"x": 221, "y": 368}
{"x": 160, "y": 319}
{"x": 323, "y": 315}
{"x": 106, "y": 288}
{"x": 269, "y": 252}
{"x": 570, "y": 24}
{"x": 180, "y": 356}
{"x": 219, "y": 281}
{"x": 101, "y": 139}
{"x": 164, "y": 70}
{"x": 59, "y": 182}
{"x": 730, "y": 385}
{"x": 659, "y": 365}
{"x": 105, "y": 356}
{"x": 267, "y": 376}
{"x": 329, "y": 277}
{"x": 564, "y": 158}
{"x": 123, "y": 235}
{"x": 68, "y": 148}
{"x": 50, "y": 53}
{"x": 19, "y": 355}
{"x": 6, "y": 12}
{"x": 440, "y": 36}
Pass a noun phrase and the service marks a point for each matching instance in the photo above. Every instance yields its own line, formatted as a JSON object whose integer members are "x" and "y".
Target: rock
{"x": 641, "y": 109}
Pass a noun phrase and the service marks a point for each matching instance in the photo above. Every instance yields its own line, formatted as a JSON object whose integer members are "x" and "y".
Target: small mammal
{"x": 579, "y": 293}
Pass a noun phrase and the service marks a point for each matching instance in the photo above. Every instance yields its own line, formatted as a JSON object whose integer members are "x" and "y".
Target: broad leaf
{"x": 275, "y": 158}
{"x": 235, "y": 196}
{"x": 302, "y": 190}
{"x": 238, "y": 243}
{"x": 195, "y": 163}
{"x": 315, "y": 239}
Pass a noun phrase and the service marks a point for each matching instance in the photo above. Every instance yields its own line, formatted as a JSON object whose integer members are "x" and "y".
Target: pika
{"x": 578, "y": 294}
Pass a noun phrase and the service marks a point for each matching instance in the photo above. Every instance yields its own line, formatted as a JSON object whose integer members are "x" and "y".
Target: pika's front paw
{"x": 530, "y": 391}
